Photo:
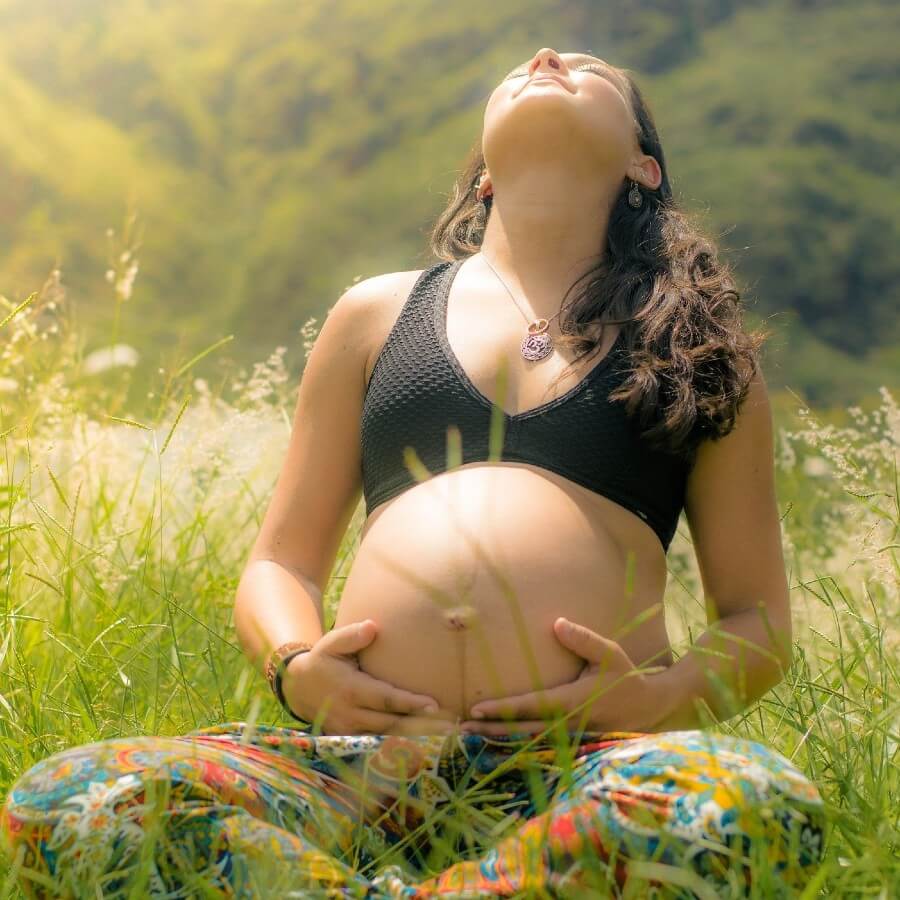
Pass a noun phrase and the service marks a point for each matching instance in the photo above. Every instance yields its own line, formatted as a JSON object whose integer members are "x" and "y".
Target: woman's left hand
{"x": 610, "y": 694}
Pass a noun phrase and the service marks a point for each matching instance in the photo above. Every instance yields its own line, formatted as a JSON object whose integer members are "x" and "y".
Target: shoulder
{"x": 376, "y": 303}
{"x": 357, "y": 317}
{"x": 378, "y": 290}
{"x": 373, "y": 298}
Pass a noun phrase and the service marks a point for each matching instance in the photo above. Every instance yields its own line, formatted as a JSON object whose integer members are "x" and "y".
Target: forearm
{"x": 273, "y": 605}
{"x": 729, "y": 667}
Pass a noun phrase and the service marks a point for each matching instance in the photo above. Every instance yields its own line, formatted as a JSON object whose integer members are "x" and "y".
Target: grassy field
{"x": 123, "y": 541}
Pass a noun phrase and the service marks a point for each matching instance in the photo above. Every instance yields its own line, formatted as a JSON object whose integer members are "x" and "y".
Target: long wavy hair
{"x": 689, "y": 360}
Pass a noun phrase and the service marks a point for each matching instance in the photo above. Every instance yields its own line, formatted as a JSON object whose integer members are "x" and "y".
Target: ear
{"x": 651, "y": 174}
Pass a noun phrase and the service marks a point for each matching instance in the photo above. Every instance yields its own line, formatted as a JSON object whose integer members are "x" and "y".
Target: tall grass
{"x": 123, "y": 537}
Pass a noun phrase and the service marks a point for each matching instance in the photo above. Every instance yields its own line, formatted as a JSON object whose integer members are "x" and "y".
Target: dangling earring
{"x": 635, "y": 197}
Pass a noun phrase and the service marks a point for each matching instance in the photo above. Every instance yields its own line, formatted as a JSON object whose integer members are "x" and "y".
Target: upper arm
{"x": 319, "y": 485}
{"x": 732, "y": 512}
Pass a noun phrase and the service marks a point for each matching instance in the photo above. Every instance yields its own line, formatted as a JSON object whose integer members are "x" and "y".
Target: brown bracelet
{"x": 276, "y": 663}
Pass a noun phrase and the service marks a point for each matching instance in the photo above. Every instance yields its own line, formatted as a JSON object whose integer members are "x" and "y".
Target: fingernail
{"x": 477, "y": 714}
{"x": 430, "y": 708}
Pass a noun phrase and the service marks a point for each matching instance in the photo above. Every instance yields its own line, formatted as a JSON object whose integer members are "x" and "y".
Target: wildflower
{"x": 125, "y": 284}
{"x": 110, "y": 358}
{"x": 815, "y": 466}
{"x": 309, "y": 333}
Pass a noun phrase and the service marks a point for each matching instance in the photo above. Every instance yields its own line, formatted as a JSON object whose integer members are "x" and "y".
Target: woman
{"x": 523, "y": 481}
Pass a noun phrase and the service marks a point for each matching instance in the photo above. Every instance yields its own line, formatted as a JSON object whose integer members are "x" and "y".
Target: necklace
{"x": 537, "y": 343}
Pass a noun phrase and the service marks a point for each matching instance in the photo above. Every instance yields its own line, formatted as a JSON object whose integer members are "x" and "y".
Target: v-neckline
{"x": 440, "y": 323}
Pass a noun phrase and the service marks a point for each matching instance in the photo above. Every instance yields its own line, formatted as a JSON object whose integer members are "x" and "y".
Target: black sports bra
{"x": 418, "y": 389}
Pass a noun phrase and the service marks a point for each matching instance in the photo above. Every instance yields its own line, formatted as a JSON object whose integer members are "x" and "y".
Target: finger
{"x": 529, "y": 727}
{"x": 348, "y": 638}
{"x": 369, "y": 721}
{"x": 372, "y": 693}
{"x": 412, "y": 725}
{"x": 591, "y": 646}
{"x": 528, "y": 706}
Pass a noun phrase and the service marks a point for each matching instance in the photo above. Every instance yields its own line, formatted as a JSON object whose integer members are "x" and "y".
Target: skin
{"x": 438, "y": 564}
{"x": 557, "y": 155}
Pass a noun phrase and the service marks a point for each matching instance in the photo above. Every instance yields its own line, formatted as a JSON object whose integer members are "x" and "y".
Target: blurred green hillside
{"x": 275, "y": 152}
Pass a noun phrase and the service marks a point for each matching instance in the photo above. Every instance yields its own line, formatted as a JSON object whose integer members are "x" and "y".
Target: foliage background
{"x": 276, "y": 152}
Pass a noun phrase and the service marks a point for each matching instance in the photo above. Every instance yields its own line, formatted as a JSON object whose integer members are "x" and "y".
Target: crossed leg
{"x": 683, "y": 814}
{"x": 180, "y": 817}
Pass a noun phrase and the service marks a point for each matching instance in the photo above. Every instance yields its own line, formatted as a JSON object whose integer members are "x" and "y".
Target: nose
{"x": 548, "y": 60}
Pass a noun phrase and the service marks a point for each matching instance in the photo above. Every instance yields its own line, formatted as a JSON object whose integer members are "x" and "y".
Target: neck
{"x": 542, "y": 238}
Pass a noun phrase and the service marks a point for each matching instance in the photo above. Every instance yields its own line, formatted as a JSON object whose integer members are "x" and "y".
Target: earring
{"x": 478, "y": 223}
{"x": 635, "y": 197}
{"x": 484, "y": 197}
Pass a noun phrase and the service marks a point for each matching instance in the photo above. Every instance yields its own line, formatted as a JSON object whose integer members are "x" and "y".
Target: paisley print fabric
{"x": 252, "y": 811}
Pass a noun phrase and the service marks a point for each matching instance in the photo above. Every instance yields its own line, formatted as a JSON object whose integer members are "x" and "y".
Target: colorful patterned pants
{"x": 240, "y": 811}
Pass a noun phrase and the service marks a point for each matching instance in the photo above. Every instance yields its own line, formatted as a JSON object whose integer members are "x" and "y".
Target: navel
{"x": 460, "y": 618}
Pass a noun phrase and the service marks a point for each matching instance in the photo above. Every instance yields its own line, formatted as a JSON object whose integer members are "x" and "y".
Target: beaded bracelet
{"x": 276, "y": 663}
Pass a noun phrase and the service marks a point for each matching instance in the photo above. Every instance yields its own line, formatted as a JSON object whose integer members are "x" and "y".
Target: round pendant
{"x": 537, "y": 343}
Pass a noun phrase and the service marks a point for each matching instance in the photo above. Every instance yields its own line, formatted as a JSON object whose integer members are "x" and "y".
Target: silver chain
{"x": 508, "y": 291}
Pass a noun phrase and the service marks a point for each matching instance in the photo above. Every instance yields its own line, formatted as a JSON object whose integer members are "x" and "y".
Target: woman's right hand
{"x": 328, "y": 680}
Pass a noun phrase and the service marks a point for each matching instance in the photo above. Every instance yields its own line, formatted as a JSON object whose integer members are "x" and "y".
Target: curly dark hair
{"x": 691, "y": 360}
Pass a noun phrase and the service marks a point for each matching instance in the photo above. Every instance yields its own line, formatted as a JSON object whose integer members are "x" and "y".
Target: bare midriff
{"x": 465, "y": 574}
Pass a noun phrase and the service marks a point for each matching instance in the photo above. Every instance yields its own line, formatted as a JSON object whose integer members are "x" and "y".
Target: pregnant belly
{"x": 466, "y": 573}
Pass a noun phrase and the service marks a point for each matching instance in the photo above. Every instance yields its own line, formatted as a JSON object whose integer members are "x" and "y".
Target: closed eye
{"x": 590, "y": 67}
